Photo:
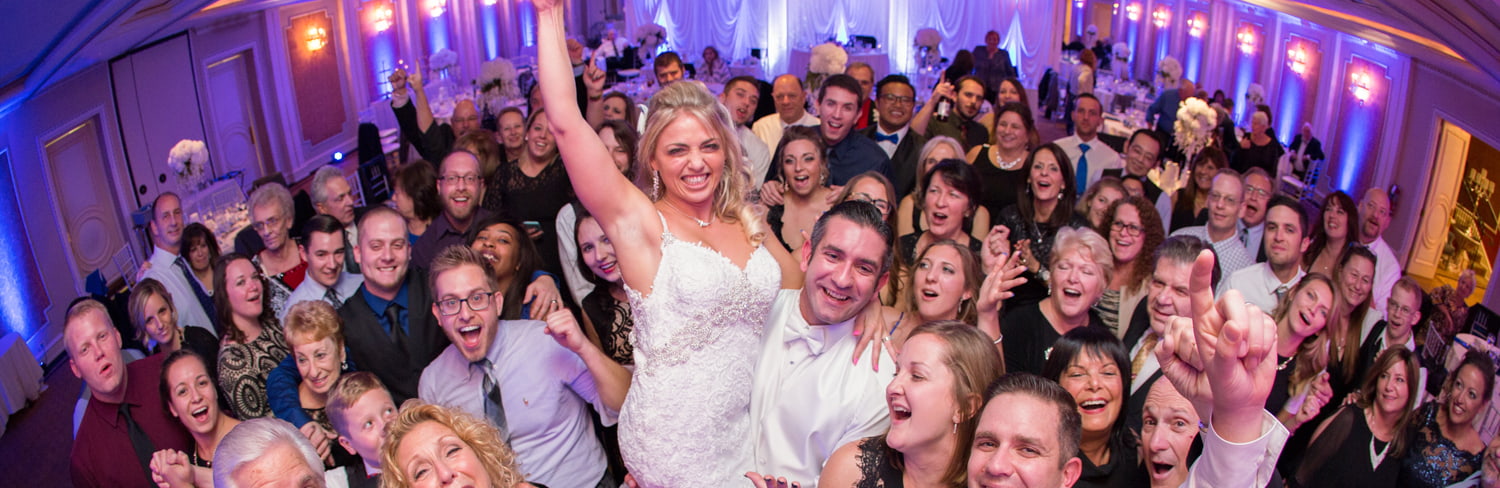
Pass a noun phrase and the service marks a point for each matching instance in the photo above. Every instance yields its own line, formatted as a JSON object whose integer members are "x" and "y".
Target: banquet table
{"x": 880, "y": 60}
{"x": 20, "y": 377}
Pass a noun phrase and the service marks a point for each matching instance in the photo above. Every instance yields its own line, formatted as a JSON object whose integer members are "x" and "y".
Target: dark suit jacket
{"x": 1114, "y": 142}
{"x": 904, "y": 160}
{"x": 371, "y": 347}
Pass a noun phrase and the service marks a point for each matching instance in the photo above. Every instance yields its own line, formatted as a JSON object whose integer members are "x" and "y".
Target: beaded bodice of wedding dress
{"x": 686, "y": 420}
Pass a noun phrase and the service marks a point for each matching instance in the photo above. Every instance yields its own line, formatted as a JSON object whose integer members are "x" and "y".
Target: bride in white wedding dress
{"x": 700, "y": 283}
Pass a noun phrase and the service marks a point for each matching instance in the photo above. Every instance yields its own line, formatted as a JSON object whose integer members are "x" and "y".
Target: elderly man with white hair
{"x": 267, "y": 452}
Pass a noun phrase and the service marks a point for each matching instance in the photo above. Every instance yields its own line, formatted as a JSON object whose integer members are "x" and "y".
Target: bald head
{"x": 1374, "y": 214}
{"x": 465, "y": 117}
{"x": 787, "y": 91}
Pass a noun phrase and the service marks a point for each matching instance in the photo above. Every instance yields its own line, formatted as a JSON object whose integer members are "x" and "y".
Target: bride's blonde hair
{"x": 692, "y": 99}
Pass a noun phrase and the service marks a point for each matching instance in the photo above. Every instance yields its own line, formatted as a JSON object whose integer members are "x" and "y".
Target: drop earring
{"x": 655, "y": 185}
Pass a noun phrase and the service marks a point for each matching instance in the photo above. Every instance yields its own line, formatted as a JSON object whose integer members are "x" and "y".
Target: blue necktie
{"x": 1083, "y": 167}
{"x": 891, "y": 138}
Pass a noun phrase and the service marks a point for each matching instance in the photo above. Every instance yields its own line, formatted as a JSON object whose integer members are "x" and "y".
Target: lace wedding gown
{"x": 686, "y": 420}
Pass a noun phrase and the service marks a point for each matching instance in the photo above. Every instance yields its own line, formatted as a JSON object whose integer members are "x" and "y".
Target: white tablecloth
{"x": 881, "y": 61}
{"x": 20, "y": 376}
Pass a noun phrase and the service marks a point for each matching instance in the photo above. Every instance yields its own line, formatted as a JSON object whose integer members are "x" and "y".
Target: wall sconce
{"x": 316, "y": 38}
{"x": 1133, "y": 12}
{"x": 1246, "y": 38}
{"x": 1077, "y": 4}
{"x": 1296, "y": 58}
{"x": 1196, "y": 25}
{"x": 436, "y": 8}
{"x": 1115, "y": 9}
{"x": 1360, "y": 86}
{"x": 1160, "y": 16}
{"x": 490, "y": 3}
{"x": 383, "y": 16}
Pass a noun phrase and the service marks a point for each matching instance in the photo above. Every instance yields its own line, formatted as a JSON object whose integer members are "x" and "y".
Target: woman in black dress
{"x": 153, "y": 312}
{"x": 1190, "y": 204}
{"x": 1094, "y": 367}
{"x": 805, "y": 195}
{"x": 1362, "y": 445}
{"x": 950, "y": 196}
{"x": 1081, "y": 267}
{"x": 1445, "y": 448}
{"x": 1044, "y": 207}
{"x": 534, "y": 188}
{"x": 1000, "y": 163}
{"x": 934, "y": 409}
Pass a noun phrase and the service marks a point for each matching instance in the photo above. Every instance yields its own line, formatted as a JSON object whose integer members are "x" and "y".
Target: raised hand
{"x": 415, "y": 78}
{"x": 1028, "y": 258}
{"x": 564, "y": 329}
{"x": 1229, "y": 365}
{"x": 1170, "y": 177}
{"x": 771, "y": 193}
{"x": 593, "y": 80}
{"x": 996, "y": 248}
{"x": 999, "y": 279}
{"x": 943, "y": 89}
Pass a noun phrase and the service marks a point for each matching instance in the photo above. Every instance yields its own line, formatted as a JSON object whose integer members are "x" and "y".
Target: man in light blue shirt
{"x": 534, "y": 388}
{"x": 324, "y": 252}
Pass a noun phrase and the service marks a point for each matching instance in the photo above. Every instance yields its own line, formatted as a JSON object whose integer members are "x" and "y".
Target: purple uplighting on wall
{"x": 22, "y": 299}
{"x": 1361, "y": 118}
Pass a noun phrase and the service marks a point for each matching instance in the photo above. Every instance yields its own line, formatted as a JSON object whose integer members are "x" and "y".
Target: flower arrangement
{"x": 828, "y": 59}
{"x": 443, "y": 59}
{"x": 499, "y": 74}
{"x": 189, "y": 158}
{"x": 1168, "y": 71}
{"x": 1194, "y": 127}
{"x": 1255, "y": 95}
{"x": 649, "y": 36}
{"x": 1121, "y": 53}
{"x": 929, "y": 38}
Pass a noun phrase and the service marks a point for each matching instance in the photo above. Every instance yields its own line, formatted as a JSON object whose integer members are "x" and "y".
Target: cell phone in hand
{"x": 532, "y": 226}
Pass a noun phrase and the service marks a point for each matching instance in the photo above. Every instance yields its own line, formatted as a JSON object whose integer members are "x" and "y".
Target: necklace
{"x": 1376, "y": 457}
{"x": 701, "y": 223}
{"x": 1284, "y": 364}
{"x": 1003, "y": 164}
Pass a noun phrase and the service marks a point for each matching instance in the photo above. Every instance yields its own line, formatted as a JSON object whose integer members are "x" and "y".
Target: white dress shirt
{"x": 888, "y": 146}
{"x": 1101, "y": 157}
{"x": 1258, "y": 285}
{"x": 1387, "y": 271}
{"x": 1230, "y": 252}
{"x": 757, "y": 154}
{"x": 1225, "y": 464}
{"x": 808, "y": 397}
{"x": 311, "y": 290}
{"x": 190, "y": 313}
{"x": 545, "y": 390}
{"x": 770, "y": 127}
{"x": 567, "y": 250}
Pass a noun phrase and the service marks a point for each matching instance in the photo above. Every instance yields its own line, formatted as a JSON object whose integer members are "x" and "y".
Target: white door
{"x": 157, "y": 100}
{"x": 234, "y": 116}
{"x": 85, "y": 200}
{"x": 1442, "y": 194}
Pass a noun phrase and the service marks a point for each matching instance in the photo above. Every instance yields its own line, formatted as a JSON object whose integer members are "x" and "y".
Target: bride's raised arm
{"x": 602, "y": 189}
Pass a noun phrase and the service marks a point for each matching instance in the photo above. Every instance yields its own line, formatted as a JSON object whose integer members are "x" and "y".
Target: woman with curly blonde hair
{"x": 430, "y": 445}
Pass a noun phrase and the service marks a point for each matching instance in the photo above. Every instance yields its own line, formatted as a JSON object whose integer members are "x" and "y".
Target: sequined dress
{"x": 686, "y": 420}
{"x": 1432, "y": 460}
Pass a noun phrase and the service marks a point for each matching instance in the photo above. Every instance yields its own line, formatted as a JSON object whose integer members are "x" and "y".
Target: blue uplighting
{"x": 383, "y": 54}
{"x": 1289, "y": 113}
{"x": 437, "y": 34}
{"x": 1193, "y": 59}
{"x": 1245, "y": 74}
{"x": 490, "y": 24}
{"x": 1358, "y": 125}
{"x": 20, "y": 309}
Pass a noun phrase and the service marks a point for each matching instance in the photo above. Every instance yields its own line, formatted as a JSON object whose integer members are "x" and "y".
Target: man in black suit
{"x": 1141, "y": 155}
{"x": 1166, "y": 298}
{"x": 895, "y": 101}
{"x": 395, "y": 350}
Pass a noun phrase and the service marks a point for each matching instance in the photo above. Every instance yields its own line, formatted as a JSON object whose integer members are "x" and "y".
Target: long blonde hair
{"x": 692, "y": 99}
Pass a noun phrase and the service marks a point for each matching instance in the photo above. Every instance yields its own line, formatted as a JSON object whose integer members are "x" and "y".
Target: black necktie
{"x": 203, "y": 299}
{"x": 393, "y": 317}
{"x": 494, "y": 408}
{"x": 333, "y": 297}
{"x": 138, "y": 441}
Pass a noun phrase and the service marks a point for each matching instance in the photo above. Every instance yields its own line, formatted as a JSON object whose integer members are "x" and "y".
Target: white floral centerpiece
{"x": 1255, "y": 95}
{"x": 929, "y": 47}
{"x": 443, "y": 59}
{"x": 497, "y": 81}
{"x": 1121, "y": 52}
{"x": 1168, "y": 72}
{"x": 649, "y": 37}
{"x": 189, "y": 159}
{"x": 827, "y": 59}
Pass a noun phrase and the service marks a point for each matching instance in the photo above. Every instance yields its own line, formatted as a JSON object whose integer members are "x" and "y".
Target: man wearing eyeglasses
{"x": 1402, "y": 312}
{"x": 535, "y": 389}
{"x": 1226, "y": 201}
{"x": 894, "y": 100}
{"x": 460, "y": 189}
{"x": 1257, "y": 195}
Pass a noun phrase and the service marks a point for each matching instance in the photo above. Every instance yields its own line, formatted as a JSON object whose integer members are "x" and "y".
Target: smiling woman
{"x": 1092, "y": 365}
{"x": 315, "y": 333}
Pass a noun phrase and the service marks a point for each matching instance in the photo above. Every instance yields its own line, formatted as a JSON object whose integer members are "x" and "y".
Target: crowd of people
{"x": 853, "y": 290}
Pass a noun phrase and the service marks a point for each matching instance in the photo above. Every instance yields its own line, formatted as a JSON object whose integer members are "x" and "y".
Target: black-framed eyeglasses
{"x": 479, "y": 301}
{"x": 880, "y": 203}
{"x": 898, "y": 99}
{"x": 1126, "y": 229}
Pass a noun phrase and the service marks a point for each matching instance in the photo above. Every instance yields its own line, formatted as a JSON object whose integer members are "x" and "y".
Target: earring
{"x": 344, "y": 366}
{"x": 655, "y": 185}
{"x": 823, "y": 181}
{"x": 955, "y": 427}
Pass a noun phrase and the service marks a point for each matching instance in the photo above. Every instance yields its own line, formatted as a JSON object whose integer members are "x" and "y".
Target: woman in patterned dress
{"x": 250, "y": 339}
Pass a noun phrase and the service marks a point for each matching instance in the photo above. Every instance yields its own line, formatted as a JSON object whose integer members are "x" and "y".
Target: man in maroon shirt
{"x": 105, "y": 453}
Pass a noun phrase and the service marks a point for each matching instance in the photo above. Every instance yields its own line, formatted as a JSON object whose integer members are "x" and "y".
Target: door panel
{"x": 77, "y": 168}
{"x": 157, "y": 99}
{"x": 235, "y": 116}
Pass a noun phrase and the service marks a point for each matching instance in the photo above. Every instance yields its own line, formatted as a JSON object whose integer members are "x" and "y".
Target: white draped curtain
{"x": 1031, "y": 30}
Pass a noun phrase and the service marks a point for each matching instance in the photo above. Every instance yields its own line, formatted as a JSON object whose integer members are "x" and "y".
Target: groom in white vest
{"x": 808, "y": 397}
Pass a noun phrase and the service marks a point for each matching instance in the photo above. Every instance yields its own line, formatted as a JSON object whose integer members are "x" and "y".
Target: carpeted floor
{"x": 38, "y": 439}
